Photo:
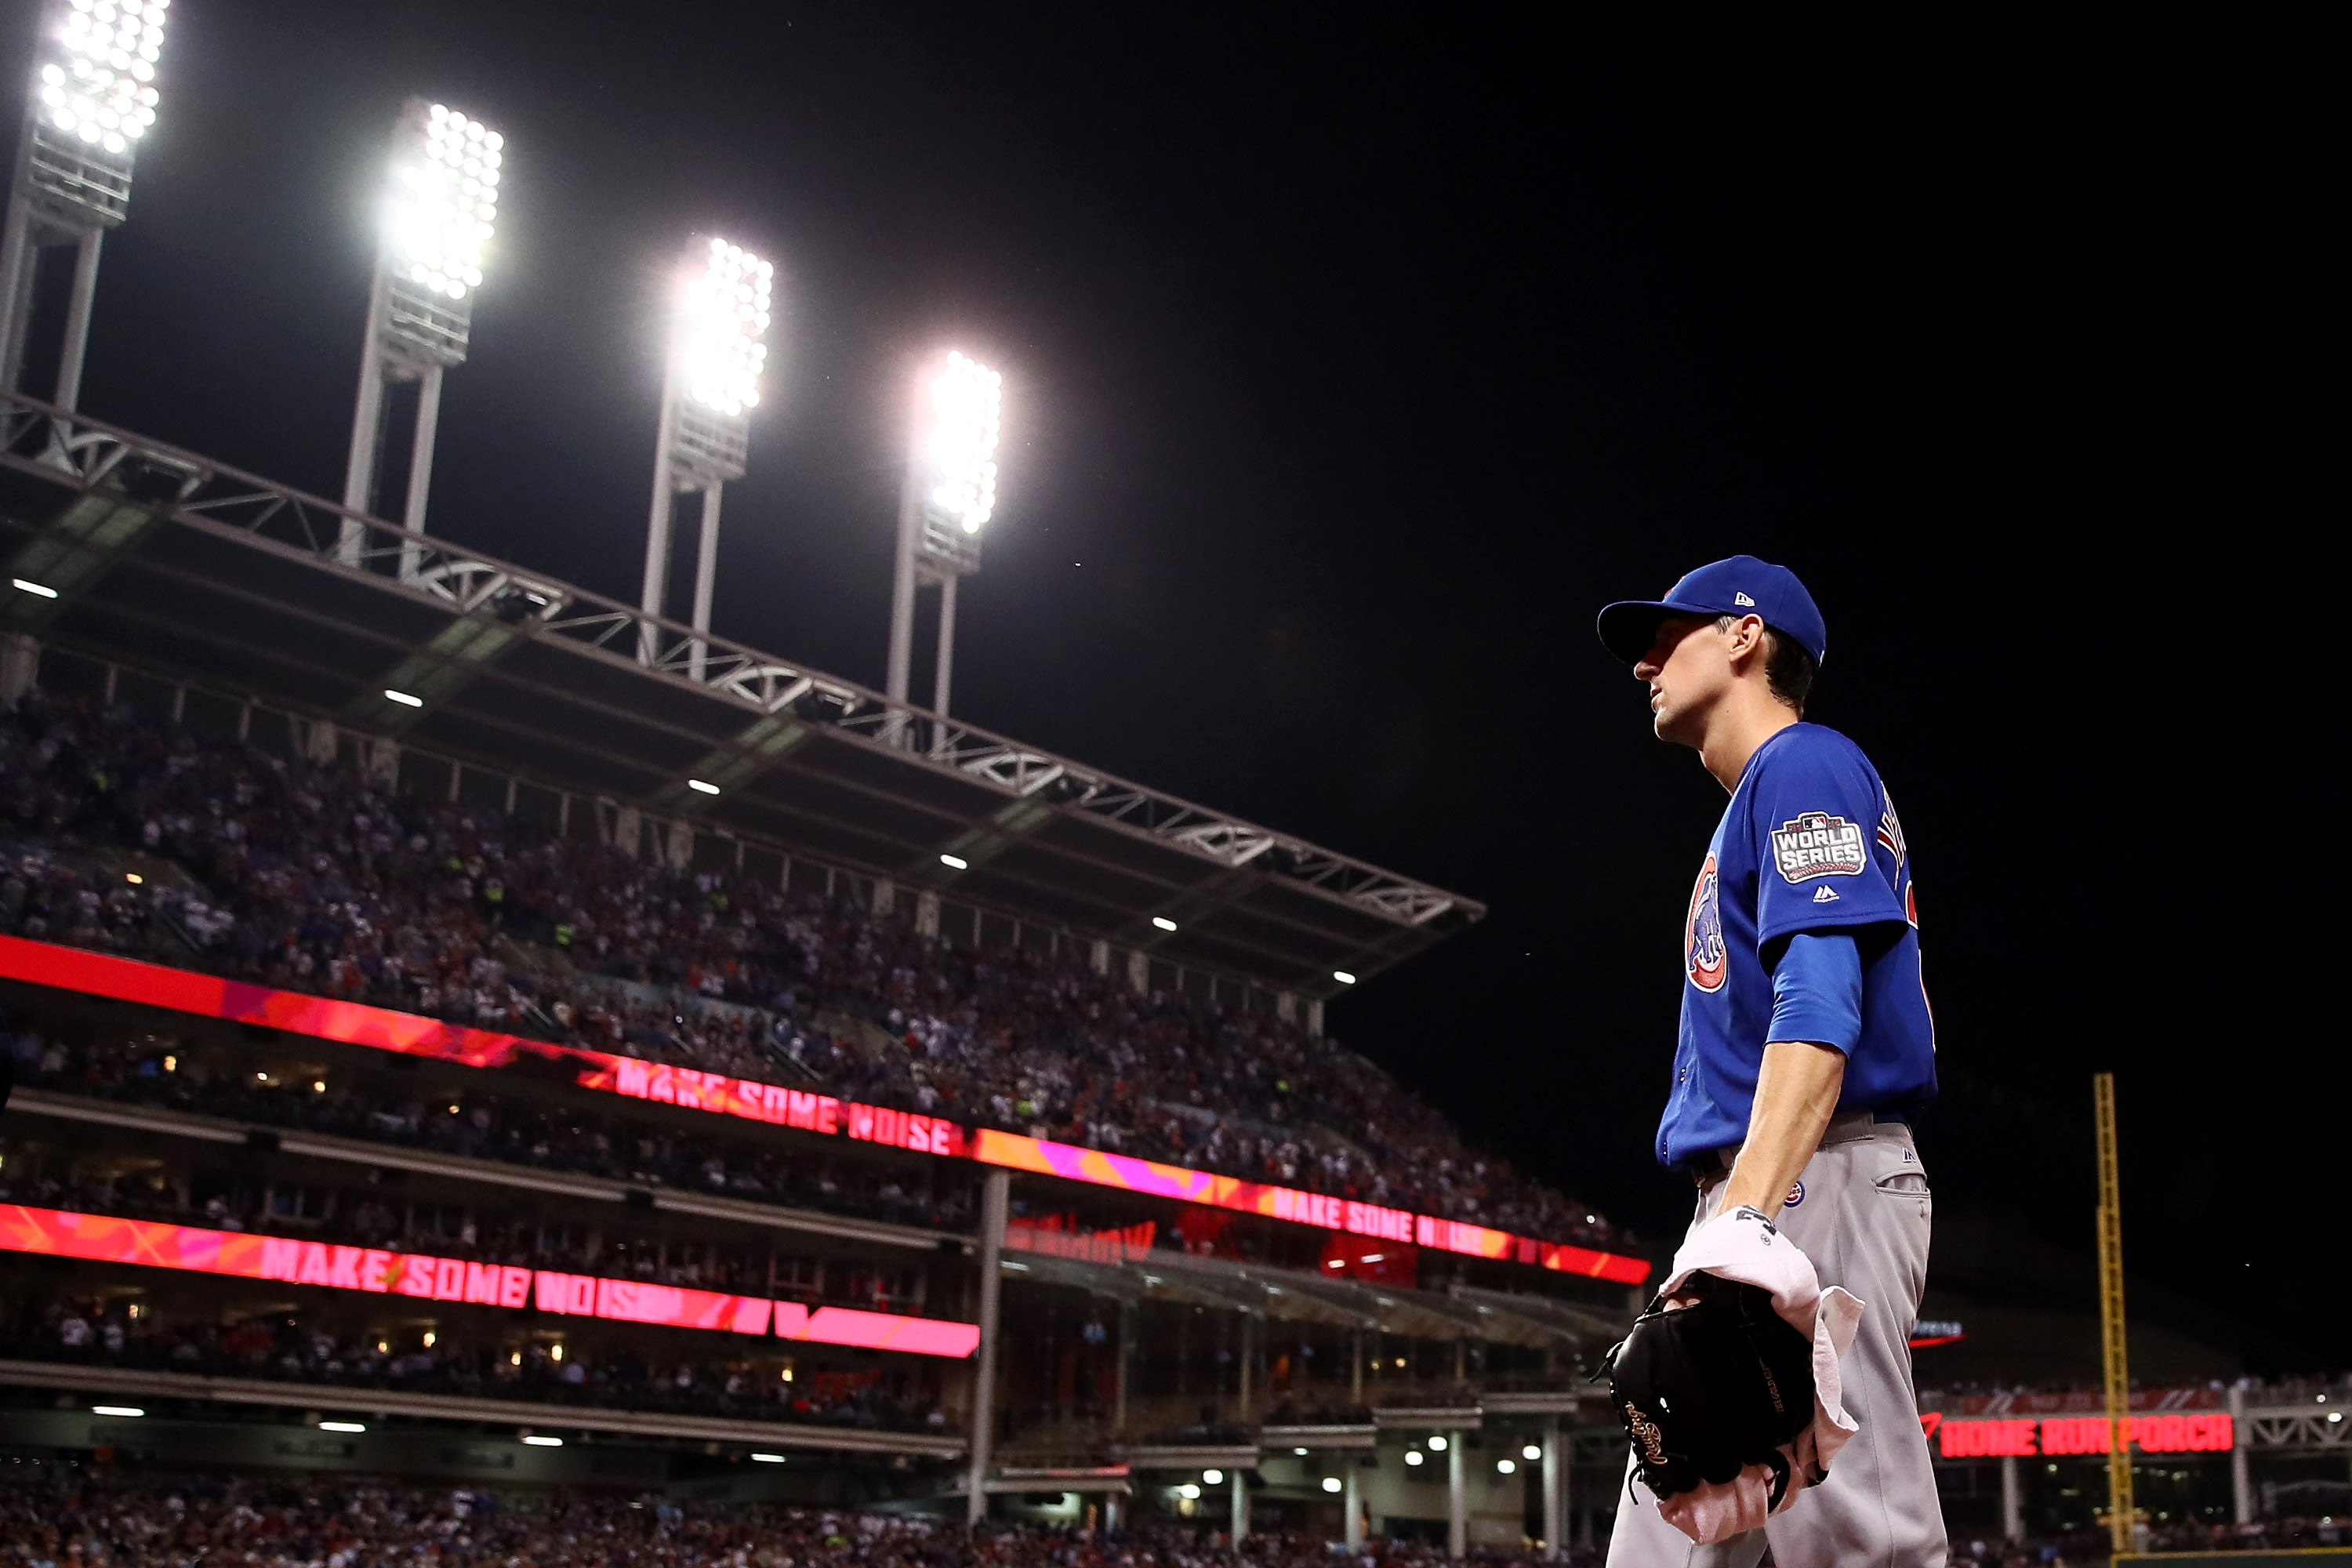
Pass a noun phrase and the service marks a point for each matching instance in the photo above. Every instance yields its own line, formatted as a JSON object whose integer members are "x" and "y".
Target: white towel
{"x": 1744, "y": 1245}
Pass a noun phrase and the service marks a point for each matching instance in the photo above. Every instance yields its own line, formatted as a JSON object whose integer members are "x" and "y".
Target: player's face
{"x": 1686, "y": 669}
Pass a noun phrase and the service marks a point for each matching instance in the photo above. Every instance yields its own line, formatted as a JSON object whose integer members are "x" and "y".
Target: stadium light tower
{"x": 441, "y": 208}
{"x": 947, "y": 497}
{"x": 718, "y": 351}
{"x": 93, "y": 99}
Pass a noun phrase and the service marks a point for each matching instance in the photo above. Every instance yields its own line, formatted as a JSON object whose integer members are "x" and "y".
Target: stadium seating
{"x": 316, "y": 879}
{"x": 285, "y": 1347}
{"x": 73, "y": 1514}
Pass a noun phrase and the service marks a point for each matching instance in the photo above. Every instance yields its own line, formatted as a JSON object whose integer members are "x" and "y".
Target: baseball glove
{"x": 1710, "y": 1386}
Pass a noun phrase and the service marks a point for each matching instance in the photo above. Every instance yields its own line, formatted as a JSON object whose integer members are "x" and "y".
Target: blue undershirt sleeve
{"x": 1817, "y": 991}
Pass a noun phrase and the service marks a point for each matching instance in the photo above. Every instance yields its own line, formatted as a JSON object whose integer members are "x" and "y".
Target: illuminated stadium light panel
{"x": 445, "y": 201}
{"x": 722, "y": 328}
{"x": 965, "y": 417}
{"x": 380, "y": 1028}
{"x": 97, "y": 79}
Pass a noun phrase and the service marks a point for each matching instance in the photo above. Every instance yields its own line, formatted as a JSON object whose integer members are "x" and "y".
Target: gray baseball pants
{"x": 1864, "y": 1220}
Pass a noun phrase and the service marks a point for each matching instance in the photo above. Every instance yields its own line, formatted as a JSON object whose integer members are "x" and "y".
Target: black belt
{"x": 1708, "y": 1164}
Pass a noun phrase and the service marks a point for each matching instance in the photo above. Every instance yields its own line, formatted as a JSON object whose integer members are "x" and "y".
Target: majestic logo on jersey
{"x": 1704, "y": 958}
{"x": 1826, "y": 894}
{"x": 1819, "y": 845}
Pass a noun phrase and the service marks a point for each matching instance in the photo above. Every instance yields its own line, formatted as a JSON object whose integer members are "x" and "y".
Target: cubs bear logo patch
{"x": 1704, "y": 958}
{"x": 1816, "y": 844}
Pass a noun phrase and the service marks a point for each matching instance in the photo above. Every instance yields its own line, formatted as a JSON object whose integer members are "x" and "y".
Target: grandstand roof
{"x": 169, "y": 560}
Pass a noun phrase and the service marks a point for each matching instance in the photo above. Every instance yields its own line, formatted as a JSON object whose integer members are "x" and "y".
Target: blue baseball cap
{"x": 1741, "y": 586}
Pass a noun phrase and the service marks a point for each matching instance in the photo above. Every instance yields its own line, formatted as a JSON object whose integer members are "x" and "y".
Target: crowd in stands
{"x": 487, "y": 1126}
{"x": 55, "y": 1514}
{"x": 286, "y": 1347}
{"x": 225, "y": 1199}
{"x": 321, "y": 879}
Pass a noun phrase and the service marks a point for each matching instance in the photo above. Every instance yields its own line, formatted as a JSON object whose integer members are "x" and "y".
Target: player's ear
{"x": 1745, "y": 641}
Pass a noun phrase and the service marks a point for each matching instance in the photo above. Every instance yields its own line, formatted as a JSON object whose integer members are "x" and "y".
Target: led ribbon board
{"x": 380, "y": 1028}
{"x": 2168, "y": 1432}
{"x": 152, "y": 1243}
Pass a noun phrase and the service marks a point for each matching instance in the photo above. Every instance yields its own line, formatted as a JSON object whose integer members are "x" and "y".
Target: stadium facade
{"x": 300, "y": 1229}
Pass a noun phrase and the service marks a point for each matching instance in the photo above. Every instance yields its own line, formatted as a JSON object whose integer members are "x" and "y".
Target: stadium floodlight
{"x": 1212, "y": 1477}
{"x": 1163, "y": 923}
{"x": 93, "y": 100}
{"x": 343, "y": 1425}
{"x": 129, "y": 1412}
{"x": 767, "y": 1458}
{"x": 38, "y": 590}
{"x": 701, "y": 786}
{"x": 1437, "y": 1444}
{"x": 405, "y": 698}
{"x": 718, "y": 352}
{"x": 955, "y": 862}
{"x": 1412, "y": 1456}
{"x": 1332, "y": 1483}
{"x": 440, "y": 210}
{"x": 966, "y": 417}
{"x": 1505, "y": 1467}
{"x": 948, "y": 495}
{"x": 534, "y": 1440}
{"x": 1531, "y": 1451}
{"x": 1343, "y": 977}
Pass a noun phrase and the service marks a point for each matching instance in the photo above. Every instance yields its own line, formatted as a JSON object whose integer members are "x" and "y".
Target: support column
{"x": 1352, "y": 1498}
{"x": 1356, "y": 1370}
{"x": 1248, "y": 1347}
{"x": 20, "y": 667}
{"x": 995, "y": 1198}
{"x": 2012, "y": 1500}
{"x": 1457, "y": 1497}
{"x": 1126, "y": 1355}
{"x": 1555, "y": 1495}
{"x": 367, "y": 424}
{"x": 657, "y": 520}
{"x": 1241, "y": 1507}
{"x": 420, "y": 465}
{"x": 2242, "y": 1494}
{"x": 943, "y": 671}
{"x": 77, "y": 309}
{"x": 902, "y": 589}
{"x": 706, "y": 575}
{"x": 16, "y": 260}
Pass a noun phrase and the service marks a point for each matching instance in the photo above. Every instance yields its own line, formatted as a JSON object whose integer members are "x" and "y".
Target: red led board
{"x": 154, "y": 1245}
{"x": 380, "y": 1028}
{"x": 2163, "y": 1432}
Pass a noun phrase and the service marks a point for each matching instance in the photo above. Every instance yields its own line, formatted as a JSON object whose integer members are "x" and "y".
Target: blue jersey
{"x": 1809, "y": 843}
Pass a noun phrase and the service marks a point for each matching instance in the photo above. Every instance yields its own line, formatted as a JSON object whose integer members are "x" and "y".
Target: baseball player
{"x": 1805, "y": 1042}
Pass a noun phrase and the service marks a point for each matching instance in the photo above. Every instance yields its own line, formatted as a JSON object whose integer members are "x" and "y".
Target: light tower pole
{"x": 442, "y": 208}
{"x": 709, "y": 387}
{"x": 948, "y": 495}
{"x": 93, "y": 98}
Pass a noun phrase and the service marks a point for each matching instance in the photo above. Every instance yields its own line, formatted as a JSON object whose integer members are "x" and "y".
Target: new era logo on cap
{"x": 1743, "y": 601}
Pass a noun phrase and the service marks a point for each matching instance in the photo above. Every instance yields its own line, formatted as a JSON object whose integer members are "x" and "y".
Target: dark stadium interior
{"x": 485, "y": 1084}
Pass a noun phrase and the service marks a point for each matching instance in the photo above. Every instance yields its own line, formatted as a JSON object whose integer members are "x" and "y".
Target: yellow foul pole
{"x": 2121, "y": 1514}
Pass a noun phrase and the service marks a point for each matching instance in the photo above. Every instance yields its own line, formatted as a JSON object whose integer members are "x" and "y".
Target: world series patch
{"x": 1819, "y": 845}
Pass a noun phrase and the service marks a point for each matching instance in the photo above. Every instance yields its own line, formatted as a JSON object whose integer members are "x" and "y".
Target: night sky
{"x": 1352, "y": 360}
